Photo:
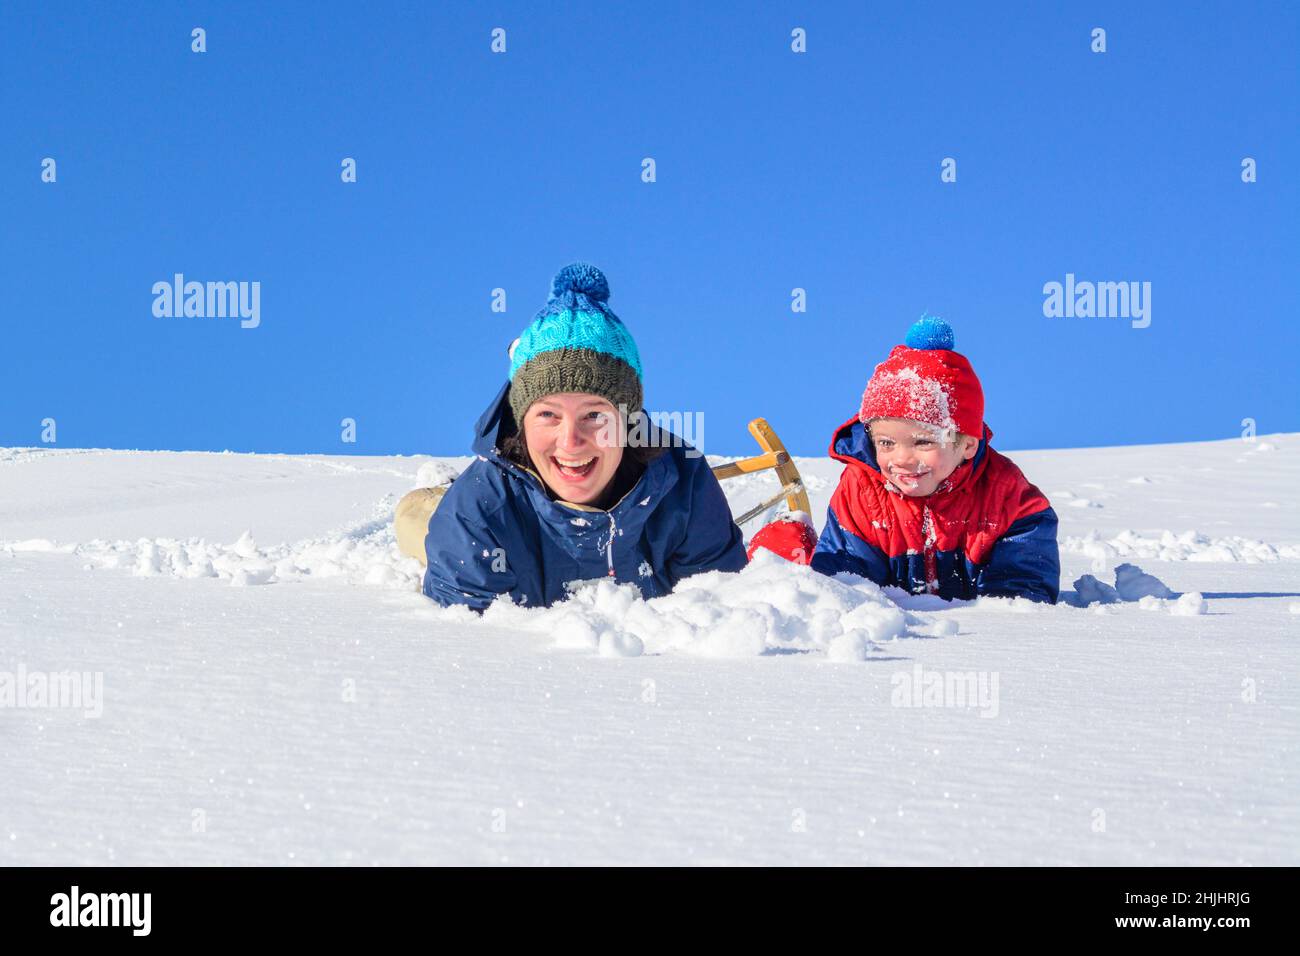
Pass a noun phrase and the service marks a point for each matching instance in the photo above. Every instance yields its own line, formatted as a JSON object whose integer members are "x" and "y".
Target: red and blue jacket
{"x": 985, "y": 531}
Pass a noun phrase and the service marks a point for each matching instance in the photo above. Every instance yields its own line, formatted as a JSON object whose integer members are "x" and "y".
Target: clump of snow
{"x": 1089, "y": 589}
{"x": 434, "y": 473}
{"x": 245, "y": 547}
{"x": 940, "y": 627}
{"x": 1133, "y": 584}
{"x": 620, "y": 644}
{"x": 1188, "y": 605}
{"x": 772, "y": 606}
{"x": 1167, "y": 546}
{"x": 247, "y": 577}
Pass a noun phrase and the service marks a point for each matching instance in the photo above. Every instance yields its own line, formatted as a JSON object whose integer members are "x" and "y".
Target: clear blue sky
{"x": 774, "y": 171}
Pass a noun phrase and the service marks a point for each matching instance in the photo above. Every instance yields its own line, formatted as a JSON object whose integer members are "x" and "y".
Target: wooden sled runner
{"x": 776, "y": 457}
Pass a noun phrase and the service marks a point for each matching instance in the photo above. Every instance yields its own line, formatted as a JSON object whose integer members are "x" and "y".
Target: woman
{"x": 557, "y": 494}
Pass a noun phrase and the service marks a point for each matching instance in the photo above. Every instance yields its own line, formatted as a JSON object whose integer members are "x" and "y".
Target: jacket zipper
{"x": 610, "y": 553}
{"x": 613, "y": 527}
{"x": 931, "y": 564}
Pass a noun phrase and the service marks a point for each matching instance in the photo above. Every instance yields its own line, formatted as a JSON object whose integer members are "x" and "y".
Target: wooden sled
{"x": 776, "y": 457}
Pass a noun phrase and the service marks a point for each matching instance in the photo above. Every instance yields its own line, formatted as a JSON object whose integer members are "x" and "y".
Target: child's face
{"x": 572, "y": 440}
{"x": 914, "y": 456}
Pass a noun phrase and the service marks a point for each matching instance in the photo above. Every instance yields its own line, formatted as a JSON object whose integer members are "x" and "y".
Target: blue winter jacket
{"x": 497, "y": 531}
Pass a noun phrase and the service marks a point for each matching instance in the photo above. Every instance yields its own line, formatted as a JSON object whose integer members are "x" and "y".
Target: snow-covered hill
{"x": 322, "y": 711}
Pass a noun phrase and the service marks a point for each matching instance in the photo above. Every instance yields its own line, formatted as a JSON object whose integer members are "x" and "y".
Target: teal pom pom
{"x": 930, "y": 332}
{"x": 582, "y": 278}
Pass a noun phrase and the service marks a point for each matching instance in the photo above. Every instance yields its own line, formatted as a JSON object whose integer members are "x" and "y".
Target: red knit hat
{"x": 925, "y": 380}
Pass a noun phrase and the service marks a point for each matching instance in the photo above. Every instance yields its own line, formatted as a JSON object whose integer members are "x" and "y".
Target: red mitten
{"x": 791, "y": 538}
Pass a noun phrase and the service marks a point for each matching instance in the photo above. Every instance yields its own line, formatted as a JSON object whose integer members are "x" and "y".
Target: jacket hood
{"x": 489, "y": 429}
{"x": 852, "y": 445}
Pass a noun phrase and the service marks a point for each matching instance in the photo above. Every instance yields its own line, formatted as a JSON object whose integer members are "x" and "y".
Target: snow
{"x": 770, "y": 607}
{"x": 1189, "y": 605}
{"x": 922, "y": 399}
{"x": 1133, "y": 584}
{"x": 1088, "y": 590}
{"x": 1187, "y": 546}
{"x": 276, "y": 690}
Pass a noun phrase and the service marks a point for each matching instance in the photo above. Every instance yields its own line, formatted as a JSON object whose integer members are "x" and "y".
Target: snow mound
{"x": 1132, "y": 584}
{"x": 36, "y": 544}
{"x": 431, "y": 474}
{"x": 1188, "y": 546}
{"x": 1090, "y": 590}
{"x": 366, "y": 554}
{"x": 770, "y": 607}
{"x": 1188, "y": 605}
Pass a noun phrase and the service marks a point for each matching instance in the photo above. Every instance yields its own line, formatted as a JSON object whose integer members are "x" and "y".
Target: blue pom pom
{"x": 930, "y": 332}
{"x": 581, "y": 277}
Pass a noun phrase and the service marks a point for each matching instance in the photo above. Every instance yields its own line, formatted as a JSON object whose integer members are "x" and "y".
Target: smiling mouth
{"x": 908, "y": 476}
{"x": 575, "y": 469}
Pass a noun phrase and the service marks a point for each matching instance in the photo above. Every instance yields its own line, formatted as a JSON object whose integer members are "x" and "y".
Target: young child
{"x": 924, "y": 502}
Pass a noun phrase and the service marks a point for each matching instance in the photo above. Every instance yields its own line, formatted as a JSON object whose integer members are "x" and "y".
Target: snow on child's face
{"x": 572, "y": 438}
{"x": 916, "y": 457}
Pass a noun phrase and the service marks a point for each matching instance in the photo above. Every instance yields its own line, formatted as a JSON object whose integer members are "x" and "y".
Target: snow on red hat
{"x": 925, "y": 380}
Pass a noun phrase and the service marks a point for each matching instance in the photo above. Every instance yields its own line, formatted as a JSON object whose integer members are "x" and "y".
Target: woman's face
{"x": 572, "y": 438}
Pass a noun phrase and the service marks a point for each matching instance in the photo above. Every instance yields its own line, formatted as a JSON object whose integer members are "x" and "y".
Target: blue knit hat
{"x": 575, "y": 344}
